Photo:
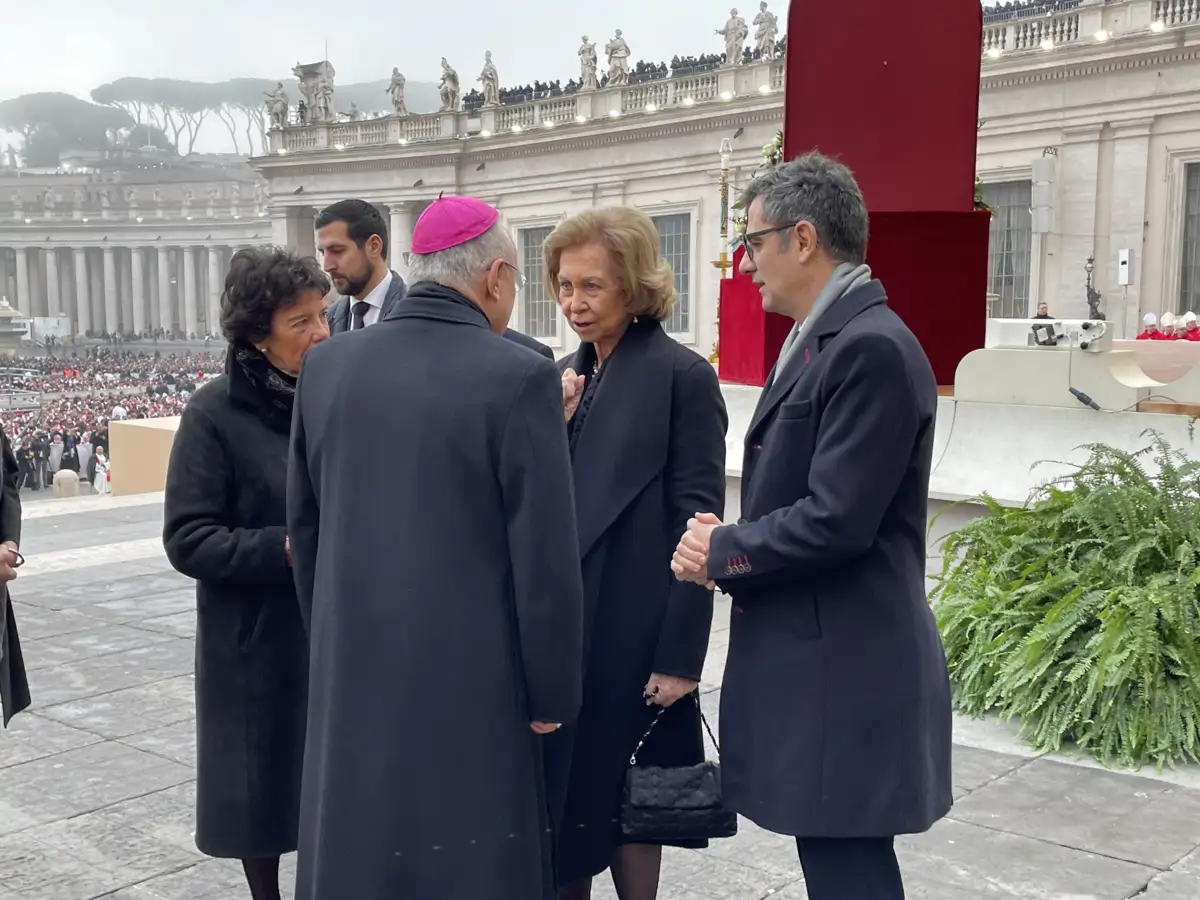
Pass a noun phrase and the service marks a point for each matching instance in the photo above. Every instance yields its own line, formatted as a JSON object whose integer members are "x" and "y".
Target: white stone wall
{"x": 1123, "y": 115}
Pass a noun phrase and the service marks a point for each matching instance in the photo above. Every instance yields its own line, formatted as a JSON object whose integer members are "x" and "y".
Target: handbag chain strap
{"x": 658, "y": 715}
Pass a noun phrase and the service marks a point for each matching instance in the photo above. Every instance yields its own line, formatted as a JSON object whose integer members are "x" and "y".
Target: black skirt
{"x": 602, "y": 742}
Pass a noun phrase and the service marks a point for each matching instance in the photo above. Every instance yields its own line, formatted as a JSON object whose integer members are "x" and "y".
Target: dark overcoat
{"x": 648, "y": 453}
{"x": 14, "y": 686}
{"x": 835, "y": 708}
{"x": 224, "y": 525}
{"x": 444, "y": 600}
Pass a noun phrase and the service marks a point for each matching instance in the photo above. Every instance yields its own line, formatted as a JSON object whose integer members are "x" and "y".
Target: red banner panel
{"x": 934, "y": 267}
{"x": 894, "y": 94}
{"x": 749, "y": 338}
{"x": 892, "y": 90}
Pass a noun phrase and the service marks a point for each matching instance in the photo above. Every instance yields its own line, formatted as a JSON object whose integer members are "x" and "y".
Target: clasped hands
{"x": 690, "y": 562}
{"x": 572, "y": 388}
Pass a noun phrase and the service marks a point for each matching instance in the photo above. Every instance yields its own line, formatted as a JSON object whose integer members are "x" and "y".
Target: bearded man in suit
{"x": 352, "y": 241}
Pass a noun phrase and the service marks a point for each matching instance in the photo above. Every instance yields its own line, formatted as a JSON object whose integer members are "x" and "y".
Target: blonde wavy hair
{"x": 629, "y": 236}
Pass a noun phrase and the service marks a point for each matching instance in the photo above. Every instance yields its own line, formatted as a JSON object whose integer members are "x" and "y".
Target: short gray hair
{"x": 464, "y": 263}
{"x": 820, "y": 190}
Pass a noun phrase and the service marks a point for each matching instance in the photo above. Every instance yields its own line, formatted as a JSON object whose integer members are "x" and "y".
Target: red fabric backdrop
{"x": 866, "y": 86}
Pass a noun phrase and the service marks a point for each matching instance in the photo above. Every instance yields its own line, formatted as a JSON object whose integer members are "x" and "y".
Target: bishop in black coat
{"x": 444, "y": 600}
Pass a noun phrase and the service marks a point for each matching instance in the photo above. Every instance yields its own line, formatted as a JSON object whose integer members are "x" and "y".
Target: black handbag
{"x": 681, "y": 803}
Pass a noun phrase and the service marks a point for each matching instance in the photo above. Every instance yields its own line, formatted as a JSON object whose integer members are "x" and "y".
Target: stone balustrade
{"x": 1041, "y": 27}
{"x": 714, "y": 86}
{"x": 151, "y": 212}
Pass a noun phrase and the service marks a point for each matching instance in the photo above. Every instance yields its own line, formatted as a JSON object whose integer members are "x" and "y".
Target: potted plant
{"x": 1078, "y": 613}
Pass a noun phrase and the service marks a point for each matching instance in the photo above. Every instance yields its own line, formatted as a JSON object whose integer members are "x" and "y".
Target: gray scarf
{"x": 845, "y": 278}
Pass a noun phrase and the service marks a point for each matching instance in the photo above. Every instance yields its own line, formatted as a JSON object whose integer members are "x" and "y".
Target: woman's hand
{"x": 664, "y": 690}
{"x": 572, "y": 388}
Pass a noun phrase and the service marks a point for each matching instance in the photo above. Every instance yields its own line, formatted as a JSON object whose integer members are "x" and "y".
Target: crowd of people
{"x": 66, "y": 424}
{"x": 1170, "y": 327}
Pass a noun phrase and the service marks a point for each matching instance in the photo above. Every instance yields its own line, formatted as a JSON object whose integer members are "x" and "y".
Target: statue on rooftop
{"x": 448, "y": 87}
{"x": 766, "y": 31}
{"x": 735, "y": 33}
{"x": 618, "y": 59}
{"x": 490, "y": 79}
{"x": 277, "y": 106}
{"x": 396, "y": 91}
{"x": 587, "y": 66}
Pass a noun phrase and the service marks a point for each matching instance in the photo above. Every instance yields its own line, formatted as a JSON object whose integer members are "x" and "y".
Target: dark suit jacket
{"x": 835, "y": 709}
{"x": 338, "y": 313}
{"x": 14, "y": 687}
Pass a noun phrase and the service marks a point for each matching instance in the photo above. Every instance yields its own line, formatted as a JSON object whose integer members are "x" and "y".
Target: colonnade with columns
{"x": 107, "y": 289}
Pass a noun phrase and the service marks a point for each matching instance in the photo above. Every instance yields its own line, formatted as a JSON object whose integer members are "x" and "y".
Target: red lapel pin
{"x": 806, "y": 356}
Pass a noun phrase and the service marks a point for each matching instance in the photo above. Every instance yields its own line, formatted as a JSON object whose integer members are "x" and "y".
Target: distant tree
{"x": 178, "y": 108}
{"x": 134, "y": 95}
{"x": 42, "y": 147}
{"x": 53, "y": 123}
{"x": 243, "y": 98}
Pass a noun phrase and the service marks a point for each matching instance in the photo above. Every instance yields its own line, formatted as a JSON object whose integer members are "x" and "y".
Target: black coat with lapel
{"x": 444, "y": 599}
{"x": 14, "y": 687}
{"x": 649, "y": 454}
{"x": 835, "y": 709}
{"x": 224, "y": 525}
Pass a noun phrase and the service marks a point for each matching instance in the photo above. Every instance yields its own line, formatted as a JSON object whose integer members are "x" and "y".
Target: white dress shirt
{"x": 375, "y": 299}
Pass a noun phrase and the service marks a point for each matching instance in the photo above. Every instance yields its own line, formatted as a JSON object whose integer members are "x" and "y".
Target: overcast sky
{"x": 74, "y": 45}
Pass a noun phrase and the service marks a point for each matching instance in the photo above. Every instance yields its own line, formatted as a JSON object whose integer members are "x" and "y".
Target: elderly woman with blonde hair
{"x": 646, "y": 425}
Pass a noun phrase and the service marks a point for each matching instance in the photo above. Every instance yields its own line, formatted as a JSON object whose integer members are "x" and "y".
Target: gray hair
{"x": 817, "y": 189}
{"x": 464, "y": 263}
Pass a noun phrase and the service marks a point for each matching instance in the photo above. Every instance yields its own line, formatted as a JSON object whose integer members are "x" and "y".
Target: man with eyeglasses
{"x": 835, "y": 707}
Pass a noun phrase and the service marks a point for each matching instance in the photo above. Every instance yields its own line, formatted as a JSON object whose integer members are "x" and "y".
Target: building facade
{"x": 127, "y": 247}
{"x": 1089, "y": 149}
{"x": 1088, "y": 153}
{"x": 654, "y": 145}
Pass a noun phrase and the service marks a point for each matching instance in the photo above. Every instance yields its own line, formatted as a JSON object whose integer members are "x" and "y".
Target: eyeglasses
{"x": 757, "y": 235}
{"x": 517, "y": 273}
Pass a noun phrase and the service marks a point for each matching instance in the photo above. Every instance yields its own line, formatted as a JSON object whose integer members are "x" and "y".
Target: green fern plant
{"x": 1078, "y": 613}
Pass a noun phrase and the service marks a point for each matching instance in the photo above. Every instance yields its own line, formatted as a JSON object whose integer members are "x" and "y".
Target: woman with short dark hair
{"x": 224, "y": 526}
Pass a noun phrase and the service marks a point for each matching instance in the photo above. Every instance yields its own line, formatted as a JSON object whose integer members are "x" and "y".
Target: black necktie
{"x": 360, "y": 312}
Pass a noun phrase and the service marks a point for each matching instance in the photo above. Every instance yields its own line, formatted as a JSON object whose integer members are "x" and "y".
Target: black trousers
{"x": 850, "y": 868}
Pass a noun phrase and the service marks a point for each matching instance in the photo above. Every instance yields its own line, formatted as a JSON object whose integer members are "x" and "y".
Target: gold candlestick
{"x": 724, "y": 263}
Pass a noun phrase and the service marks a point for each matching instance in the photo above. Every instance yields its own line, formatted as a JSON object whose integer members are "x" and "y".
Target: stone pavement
{"x": 96, "y": 784}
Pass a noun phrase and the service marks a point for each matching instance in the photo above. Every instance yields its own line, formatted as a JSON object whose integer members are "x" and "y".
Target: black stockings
{"x": 635, "y": 871}
{"x": 263, "y": 877}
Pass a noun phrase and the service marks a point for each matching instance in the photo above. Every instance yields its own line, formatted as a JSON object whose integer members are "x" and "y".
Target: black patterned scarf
{"x": 259, "y": 383}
